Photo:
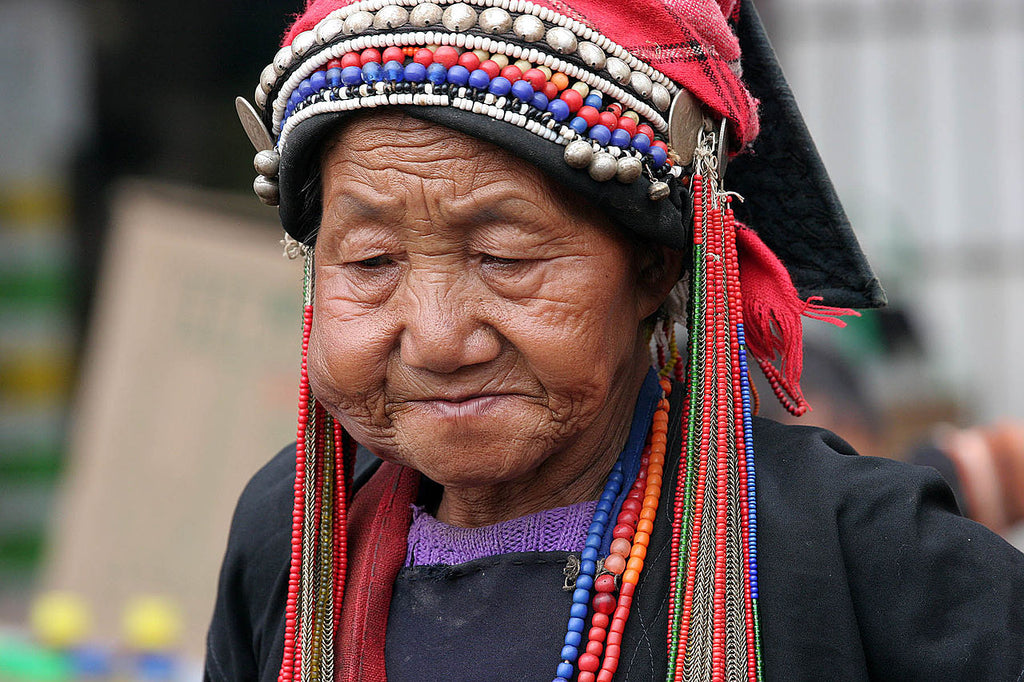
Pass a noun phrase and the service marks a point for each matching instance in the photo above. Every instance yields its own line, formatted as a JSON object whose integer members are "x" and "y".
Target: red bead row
{"x": 631, "y": 538}
{"x": 292, "y": 653}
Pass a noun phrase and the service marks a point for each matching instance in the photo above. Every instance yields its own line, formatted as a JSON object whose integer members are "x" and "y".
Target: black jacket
{"x": 866, "y": 571}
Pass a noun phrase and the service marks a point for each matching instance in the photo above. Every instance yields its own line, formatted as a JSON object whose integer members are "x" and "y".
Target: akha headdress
{"x": 638, "y": 105}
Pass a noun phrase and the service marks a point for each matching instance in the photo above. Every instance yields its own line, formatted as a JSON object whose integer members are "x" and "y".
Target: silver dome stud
{"x": 358, "y": 22}
{"x": 260, "y": 97}
{"x": 283, "y": 60}
{"x": 268, "y": 78}
{"x": 392, "y": 16}
{"x": 592, "y": 55}
{"x": 302, "y": 44}
{"x": 329, "y": 30}
{"x": 529, "y": 28}
{"x": 642, "y": 83}
{"x": 661, "y": 97}
{"x": 578, "y": 154}
{"x": 618, "y": 70}
{"x": 495, "y": 20}
{"x": 459, "y": 17}
{"x": 603, "y": 167}
{"x": 561, "y": 39}
{"x": 426, "y": 14}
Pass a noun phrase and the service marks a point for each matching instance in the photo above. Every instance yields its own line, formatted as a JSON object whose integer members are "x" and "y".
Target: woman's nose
{"x": 445, "y": 327}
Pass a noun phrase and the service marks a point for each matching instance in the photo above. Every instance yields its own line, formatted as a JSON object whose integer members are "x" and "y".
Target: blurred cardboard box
{"x": 189, "y": 384}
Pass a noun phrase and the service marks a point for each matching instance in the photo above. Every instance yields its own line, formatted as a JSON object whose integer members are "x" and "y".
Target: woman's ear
{"x": 659, "y": 268}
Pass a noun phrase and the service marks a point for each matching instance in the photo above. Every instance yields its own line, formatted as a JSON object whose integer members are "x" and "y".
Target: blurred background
{"x": 149, "y": 326}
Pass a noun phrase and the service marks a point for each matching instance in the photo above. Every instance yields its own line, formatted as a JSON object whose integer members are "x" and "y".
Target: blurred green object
{"x": 22, "y": 661}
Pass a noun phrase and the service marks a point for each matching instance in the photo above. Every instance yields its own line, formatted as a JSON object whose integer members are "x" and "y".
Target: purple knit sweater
{"x": 432, "y": 542}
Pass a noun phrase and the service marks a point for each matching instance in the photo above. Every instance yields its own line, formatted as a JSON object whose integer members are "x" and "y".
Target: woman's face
{"x": 469, "y": 320}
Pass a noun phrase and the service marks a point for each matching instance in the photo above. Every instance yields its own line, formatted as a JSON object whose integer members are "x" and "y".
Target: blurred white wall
{"x": 917, "y": 107}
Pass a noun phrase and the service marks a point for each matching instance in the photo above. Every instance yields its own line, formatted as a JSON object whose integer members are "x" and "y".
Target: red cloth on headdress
{"x": 772, "y": 311}
{"x": 690, "y": 41}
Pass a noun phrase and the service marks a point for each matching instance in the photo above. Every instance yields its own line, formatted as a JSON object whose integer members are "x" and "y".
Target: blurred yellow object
{"x": 151, "y": 624}
{"x": 60, "y": 620}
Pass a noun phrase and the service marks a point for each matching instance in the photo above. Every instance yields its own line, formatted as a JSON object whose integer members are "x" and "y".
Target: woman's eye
{"x": 375, "y": 262}
{"x": 498, "y": 260}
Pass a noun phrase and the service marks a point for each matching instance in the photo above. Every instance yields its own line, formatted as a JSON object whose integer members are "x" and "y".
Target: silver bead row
{"x": 462, "y": 40}
{"x": 460, "y": 16}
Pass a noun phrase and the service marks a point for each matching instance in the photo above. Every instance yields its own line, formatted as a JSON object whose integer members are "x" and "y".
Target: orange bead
{"x": 631, "y": 576}
{"x": 645, "y": 525}
{"x": 560, "y": 80}
{"x": 638, "y": 551}
{"x": 648, "y": 514}
{"x": 642, "y": 539}
{"x": 651, "y": 501}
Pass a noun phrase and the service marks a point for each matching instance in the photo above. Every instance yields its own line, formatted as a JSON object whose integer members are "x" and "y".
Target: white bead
{"x": 302, "y": 44}
{"x": 529, "y": 28}
{"x": 562, "y": 40}
{"x": 641, "y": 83}
{"x": 618, "y": 70}
{"x": 392, "y": 16}
{"x": 459, "y": 17}
{"x": 328, "y": 30}
{"x": 358, "y": 22}
{"x": 592, "y": 55}
{"x": 425, "y": 15}
{"x": 660, "y": 97}
{"x": 283, "y": 60}
{"x": 495, "y": 20}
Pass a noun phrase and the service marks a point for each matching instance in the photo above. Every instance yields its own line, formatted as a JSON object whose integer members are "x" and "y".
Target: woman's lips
{"x": 471, "y": 406}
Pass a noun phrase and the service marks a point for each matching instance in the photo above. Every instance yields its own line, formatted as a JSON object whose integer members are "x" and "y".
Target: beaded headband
{"x": 614, "y": 116}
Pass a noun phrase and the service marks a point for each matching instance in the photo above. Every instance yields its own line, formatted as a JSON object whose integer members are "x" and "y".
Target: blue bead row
{"x": 437, "y": 74}
{"x": 748, "y": 444}
{"x": 588, "y": 569}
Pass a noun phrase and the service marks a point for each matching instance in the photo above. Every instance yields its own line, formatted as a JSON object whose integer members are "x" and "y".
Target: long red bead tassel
{"x": 736, "y": 310}
{"x": 292, "y": 653}
{"x": 340, "y": 523}
{"x": 721, "y": 451}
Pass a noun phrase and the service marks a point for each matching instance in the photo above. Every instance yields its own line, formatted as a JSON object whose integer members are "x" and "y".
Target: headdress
{"x": 639, "y": 105}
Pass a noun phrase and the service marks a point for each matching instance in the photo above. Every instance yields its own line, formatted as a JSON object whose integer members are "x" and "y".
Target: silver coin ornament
{"x": 629, "y": 169}
{"x": 578, "y": 154}
{"x": 392, "y": 16}
{"x": 603, "y": 167}
{"x": 495, "y": 20}
{"x": 529, "y": 28}
{"x": 426, "y": 14}
{"x": 459, "y": 17}
{"x": 253, "y": 125}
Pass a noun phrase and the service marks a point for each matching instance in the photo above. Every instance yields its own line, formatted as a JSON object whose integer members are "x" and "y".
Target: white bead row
{"x": 473, "y": 42}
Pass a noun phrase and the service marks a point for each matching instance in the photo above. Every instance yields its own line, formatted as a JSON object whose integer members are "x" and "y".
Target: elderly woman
{"x": 496, "y": 202}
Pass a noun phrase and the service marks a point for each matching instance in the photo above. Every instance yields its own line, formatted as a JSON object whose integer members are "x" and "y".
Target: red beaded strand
{"x": 292, "y": 654}
{"x": 340, "y": 524}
